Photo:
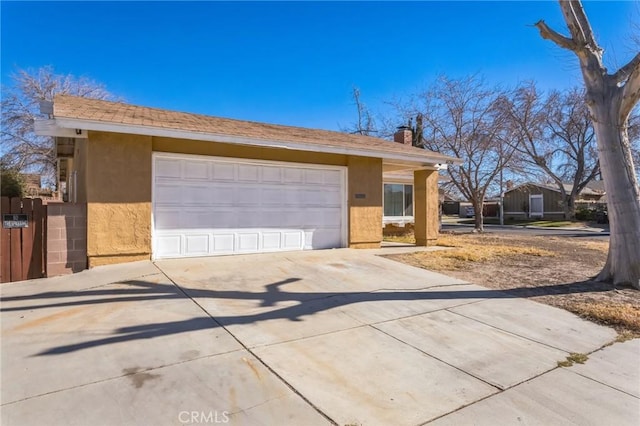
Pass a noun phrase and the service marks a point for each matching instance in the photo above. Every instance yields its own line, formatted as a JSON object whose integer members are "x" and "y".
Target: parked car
{"x": 470, "y": 212}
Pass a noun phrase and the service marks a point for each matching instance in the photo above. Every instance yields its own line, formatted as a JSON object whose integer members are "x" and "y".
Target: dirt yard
{"x": 551, "y": 270}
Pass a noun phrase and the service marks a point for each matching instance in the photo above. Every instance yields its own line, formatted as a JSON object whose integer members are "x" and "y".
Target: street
{"x": 519, "y": 230}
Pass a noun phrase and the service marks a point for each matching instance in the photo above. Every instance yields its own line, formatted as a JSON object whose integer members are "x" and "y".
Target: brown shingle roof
{"x": 72, "y": 107}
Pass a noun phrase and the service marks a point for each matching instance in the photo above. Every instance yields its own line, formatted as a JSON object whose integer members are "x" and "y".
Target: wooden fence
{"x": 23, "y": 249}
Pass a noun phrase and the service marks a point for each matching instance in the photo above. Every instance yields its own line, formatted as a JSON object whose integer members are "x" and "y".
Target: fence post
{"x": 16, "y": 243}
{"x": 5, "y": 249}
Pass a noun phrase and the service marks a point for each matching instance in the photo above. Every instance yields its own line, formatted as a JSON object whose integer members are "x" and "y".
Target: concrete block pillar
{"x": 426, "y": 208}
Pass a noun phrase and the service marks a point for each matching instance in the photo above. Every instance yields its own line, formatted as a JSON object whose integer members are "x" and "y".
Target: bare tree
{"x": 365, "y": 125}
{"x": 554, "y": 139}
{"x": 610, "y": 99}
{"x": 21, "y": 148}
{"x": 461, "y": 118}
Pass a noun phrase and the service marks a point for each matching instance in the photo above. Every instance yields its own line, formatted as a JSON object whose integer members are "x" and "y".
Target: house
{"x": 162, "y": 184}
{"x": 535, "y": 200}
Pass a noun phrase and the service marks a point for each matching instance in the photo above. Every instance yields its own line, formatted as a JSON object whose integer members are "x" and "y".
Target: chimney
{"x": 403, "y": 135}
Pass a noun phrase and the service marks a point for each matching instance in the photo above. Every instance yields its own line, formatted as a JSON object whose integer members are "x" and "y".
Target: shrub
{"x": 586, "y": 214}
{"x": 11, "y": 182}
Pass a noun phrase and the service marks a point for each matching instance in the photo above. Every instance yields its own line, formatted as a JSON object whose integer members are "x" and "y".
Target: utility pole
{"x": 501, "y": 190}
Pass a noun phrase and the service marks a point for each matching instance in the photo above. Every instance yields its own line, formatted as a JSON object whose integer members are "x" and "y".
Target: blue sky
{"x": 296, "y": 63}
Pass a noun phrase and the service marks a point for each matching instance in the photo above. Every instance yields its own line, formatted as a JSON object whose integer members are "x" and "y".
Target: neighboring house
{"x": 450, "y": 204}
{"x": 162, "y": 184}
{"x": 534, "y": 200}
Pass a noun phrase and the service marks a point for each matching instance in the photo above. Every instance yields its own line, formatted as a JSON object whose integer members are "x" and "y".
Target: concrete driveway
{"x": 308, "y": 338}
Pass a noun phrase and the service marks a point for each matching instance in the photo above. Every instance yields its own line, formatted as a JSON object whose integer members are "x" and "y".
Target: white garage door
{"x": 205, "y": 206}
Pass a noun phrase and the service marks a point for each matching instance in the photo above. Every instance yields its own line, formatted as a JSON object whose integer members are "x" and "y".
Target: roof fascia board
{"x": 70, "y": 123}
{"x": 49, "y": 127}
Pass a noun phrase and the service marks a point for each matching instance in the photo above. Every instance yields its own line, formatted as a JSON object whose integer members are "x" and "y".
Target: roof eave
{"x": 92, "y": 125}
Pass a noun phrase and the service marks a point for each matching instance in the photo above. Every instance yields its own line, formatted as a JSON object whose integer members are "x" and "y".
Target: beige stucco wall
{"x": 118, "y": 186}
{"x": 426, "y": 199}
{"x": 365, "y": 202}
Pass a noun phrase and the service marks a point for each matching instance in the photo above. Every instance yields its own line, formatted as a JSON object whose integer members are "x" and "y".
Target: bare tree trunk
{"x": 570, "y": 206}
{"x": 610, "y": 99}
{"x": 478, "y": 218}
{"x": 623, "y": 200}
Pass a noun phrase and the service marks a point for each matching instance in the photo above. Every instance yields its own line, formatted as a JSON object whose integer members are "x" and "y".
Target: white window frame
{"x": 536, "y": 214}
{"x": 404, "y": 219}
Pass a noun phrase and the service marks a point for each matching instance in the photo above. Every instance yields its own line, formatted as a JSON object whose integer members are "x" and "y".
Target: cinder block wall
{"x": 66, "y": 238}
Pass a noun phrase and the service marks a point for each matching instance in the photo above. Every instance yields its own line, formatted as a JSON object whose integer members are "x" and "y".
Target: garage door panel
{"x": 247, "y": 196}
{"x": 247, "y": 173}
{"x": 168, "y": 245}
{"x": 223, "y": 243}
{"x": 272, "y": 196}
{"x": 208, "y": 206}
{"x": 293, "y": 240}
{"x": 294, "y": 197}
{"x": 271, "y": 174}
{"x": 248, "y": 241}
{"x": 314, "y": 177}
{"x": 166, "y": 168}
{"x": 220, "y": 195}
{"x": 223, "y": 172}
{"x": 271, "y": 240}
{"x": 332, "y": 218}
{"x": 223, "y": 219}
{"x": 271, "y": 219}
{"x": 333, "y": 177}
{"x": 168, "y": 194}
{"x": 195, "y": 170}
{"x": 195, "y": 195}
{"x": 293, "y": 175}
{"x": 197, "y": 244}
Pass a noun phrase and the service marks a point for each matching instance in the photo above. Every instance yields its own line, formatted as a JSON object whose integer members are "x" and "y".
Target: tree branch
{"x": 578, "y": 23}
{"x": 623, "y": 74}
{"x": 547, "y": 33}
{"x": 630, "y": 90}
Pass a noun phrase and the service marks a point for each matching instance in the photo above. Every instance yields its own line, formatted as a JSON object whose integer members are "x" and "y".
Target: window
{"x": 536, "y": 205}
{"x": 398, "y": 199}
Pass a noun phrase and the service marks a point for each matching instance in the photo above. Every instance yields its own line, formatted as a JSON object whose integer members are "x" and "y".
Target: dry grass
{"x": 469, "y": 249}
{"x": 613, "y": 314}
{"x": 557, "y": 271}
{"x": 602, "y": 246}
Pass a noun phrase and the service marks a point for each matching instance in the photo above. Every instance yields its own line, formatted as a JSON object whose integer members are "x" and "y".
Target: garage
{"x": 204, "y": 206}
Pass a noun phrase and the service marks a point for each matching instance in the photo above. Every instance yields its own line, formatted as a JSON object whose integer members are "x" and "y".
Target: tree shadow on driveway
{"x": 306, "y": 304}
